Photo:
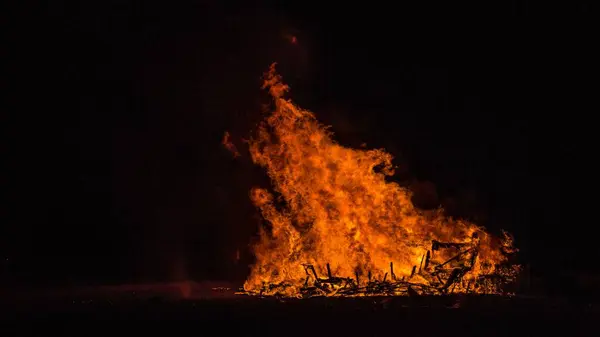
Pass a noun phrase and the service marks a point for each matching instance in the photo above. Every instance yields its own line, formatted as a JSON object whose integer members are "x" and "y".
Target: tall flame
{"x": 332, "y": 205}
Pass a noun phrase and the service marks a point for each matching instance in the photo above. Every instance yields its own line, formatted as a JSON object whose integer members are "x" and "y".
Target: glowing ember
{"x": 229, "y": 145}
{"x": 335, "y": 226}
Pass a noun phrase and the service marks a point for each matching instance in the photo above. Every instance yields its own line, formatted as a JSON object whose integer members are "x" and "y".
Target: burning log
{"x": 412, "y": 292}
{"x": 456, "y": 257}
{"x": 329, "y": 286}
{"x": 310, "y": 267}
{"x": 454, "y": 276}
{"x": 436, "y": 245}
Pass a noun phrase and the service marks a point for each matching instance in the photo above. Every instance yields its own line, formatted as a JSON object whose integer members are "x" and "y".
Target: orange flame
{"x": 332, "y": 205}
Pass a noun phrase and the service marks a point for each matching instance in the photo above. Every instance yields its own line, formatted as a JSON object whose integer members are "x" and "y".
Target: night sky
{"x": 113, "y": 169}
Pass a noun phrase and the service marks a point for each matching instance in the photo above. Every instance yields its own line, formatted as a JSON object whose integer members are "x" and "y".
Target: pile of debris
{"x": 429, "y": 278}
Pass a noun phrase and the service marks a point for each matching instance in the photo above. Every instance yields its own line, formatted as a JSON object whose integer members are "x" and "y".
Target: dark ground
{"x": 477, "y": 316}
{"x": 210, "y": 310}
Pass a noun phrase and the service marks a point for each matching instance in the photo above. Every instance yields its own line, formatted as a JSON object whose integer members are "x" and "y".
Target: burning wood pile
{"x": 335, "y": 226}
{"x": 429, "y": 278}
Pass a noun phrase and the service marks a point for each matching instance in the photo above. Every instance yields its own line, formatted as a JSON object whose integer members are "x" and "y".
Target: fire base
{"x": 430, "y": 278}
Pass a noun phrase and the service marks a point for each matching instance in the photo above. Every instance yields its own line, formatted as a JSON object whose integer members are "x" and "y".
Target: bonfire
{"x": 335, "y": 225}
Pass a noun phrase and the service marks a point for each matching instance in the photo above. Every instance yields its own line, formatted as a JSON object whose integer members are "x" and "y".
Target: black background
{"x": 113, "y": 170}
